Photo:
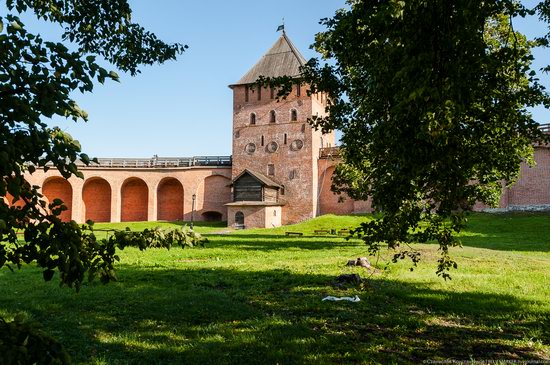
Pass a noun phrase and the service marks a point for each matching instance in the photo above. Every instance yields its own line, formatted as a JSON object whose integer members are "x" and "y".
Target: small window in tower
{"x": 293, "y": 115}
{"x": 282, "y": 190}
{"x": 259, "y": 93}
{"x": 298, "y": 90}
{"x": 246, "y": 93}
{"x": 252, "y": 118}
{"x": 274, "y": 212}
{"x": 272, "y": 117}
{"x": 237, "y": 134}
{"x": 294, "y": 174}
{"x": 285, "y": 138}
{"x": 262, "y": 141}
{"x": 272, "y": 92}
{"x": 303, "y": 128}
{"x": 322, "y": 142}
{"x": 270, "y": 169}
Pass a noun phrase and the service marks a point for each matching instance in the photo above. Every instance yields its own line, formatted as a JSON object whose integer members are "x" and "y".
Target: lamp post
{"x": 193, "y": 210}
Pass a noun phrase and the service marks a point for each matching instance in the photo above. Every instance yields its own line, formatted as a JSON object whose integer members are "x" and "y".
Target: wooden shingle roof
{"x": 282, "y": 59}
{"x": 262, "y": 179}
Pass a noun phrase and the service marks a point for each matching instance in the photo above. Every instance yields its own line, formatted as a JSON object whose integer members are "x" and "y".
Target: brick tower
{"x": 274, "y": 143}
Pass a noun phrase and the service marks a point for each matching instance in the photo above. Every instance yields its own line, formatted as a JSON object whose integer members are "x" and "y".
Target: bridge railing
{"x": 162, "y": 162}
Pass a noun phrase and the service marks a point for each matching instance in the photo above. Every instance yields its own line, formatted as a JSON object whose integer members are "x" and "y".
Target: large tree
{"x": 432, "y": 100}
{"x": 37, "y": 78}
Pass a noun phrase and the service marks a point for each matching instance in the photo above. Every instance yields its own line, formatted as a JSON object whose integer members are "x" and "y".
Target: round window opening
{"x": 272, "y": 147}
{"x": 296, "y": 145}
{"x": 250, "y": 148}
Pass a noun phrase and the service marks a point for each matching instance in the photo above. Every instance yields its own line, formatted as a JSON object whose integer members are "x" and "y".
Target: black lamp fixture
{"x": 193, "y": 210}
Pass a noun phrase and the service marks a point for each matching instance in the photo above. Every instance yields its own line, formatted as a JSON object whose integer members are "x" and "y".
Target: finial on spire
{"x": 282, "y": 26}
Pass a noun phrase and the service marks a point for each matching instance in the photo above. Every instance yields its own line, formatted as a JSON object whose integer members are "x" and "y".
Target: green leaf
{"x": 15, "y": 25}
{"x": 113, "y": 75}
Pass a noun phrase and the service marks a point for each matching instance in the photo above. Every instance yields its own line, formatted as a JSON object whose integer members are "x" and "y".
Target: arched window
{"x": 272, "y": 117}
{"x": 293, "y": 115}
{"x": 239, "y": 218}
{"x": 252, "y": 118}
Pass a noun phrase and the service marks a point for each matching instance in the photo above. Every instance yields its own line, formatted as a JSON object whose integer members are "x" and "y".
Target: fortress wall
{"x": 331, "y": 203}
{"x": 532, "y": 190}
{"x": 58, "y": 188}
{"x": 96, "y": 200}
{"x": 139, "y": 194}
{"x": 533, "y": 186}
{"x": 319, "y": 141}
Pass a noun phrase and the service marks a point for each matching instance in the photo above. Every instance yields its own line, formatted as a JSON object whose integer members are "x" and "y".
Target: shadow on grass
{"x": 278, "y": 242}
{"x": 224, "y": 316}
{"x": 212, "y": 224}
{"x": 529, "y": 232}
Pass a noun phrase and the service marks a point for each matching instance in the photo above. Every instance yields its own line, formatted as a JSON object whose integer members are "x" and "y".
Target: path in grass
{"x": 255, "y": 297}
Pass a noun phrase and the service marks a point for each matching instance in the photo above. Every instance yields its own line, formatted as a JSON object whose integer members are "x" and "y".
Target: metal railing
{"x": 161, "y": 162}
{"x": 545, "y": 128}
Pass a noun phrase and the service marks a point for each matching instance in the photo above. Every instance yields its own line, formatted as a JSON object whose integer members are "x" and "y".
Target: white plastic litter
{"x": 355, "y": 299}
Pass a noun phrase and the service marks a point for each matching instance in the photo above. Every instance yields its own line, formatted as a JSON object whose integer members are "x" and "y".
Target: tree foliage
{"x": 37, "y": 78}
{"x": 431, "y": 97}
{"x": 24, "y": 343}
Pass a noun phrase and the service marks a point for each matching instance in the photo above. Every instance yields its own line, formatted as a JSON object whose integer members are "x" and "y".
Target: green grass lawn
{"x": 254, "y": 297}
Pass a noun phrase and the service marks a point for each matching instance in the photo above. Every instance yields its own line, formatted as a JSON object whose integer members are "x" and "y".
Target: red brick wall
{"x": 170, "y": 200}
{"x": 328, "y": 201}
{"x": 96, "y": 195}
{"x": 254, "y": 216}
{"x": 533, "y": 186}
{"x": 134, "y": 200}
{"x": 532, "y": 190}
{"x": 212, "y": 195}
{"x": 59, "y": 188}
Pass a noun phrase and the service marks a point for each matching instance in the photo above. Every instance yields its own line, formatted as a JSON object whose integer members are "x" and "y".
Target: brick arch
{"x": 134, "y": 195}
{"x": 170, "y": 200}
{"x": 212, "y": 216}
{"x": 96, "y": 196}
{"x": 213, "y": 193}
{"x": 328, "y": 200}
{"x": 59, "y": 188}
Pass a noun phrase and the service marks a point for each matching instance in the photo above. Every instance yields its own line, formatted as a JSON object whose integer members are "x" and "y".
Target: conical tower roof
{"x": 282, "y": 59}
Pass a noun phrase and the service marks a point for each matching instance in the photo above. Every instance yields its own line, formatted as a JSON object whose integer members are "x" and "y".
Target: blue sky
{"x": 184, "y": 108}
